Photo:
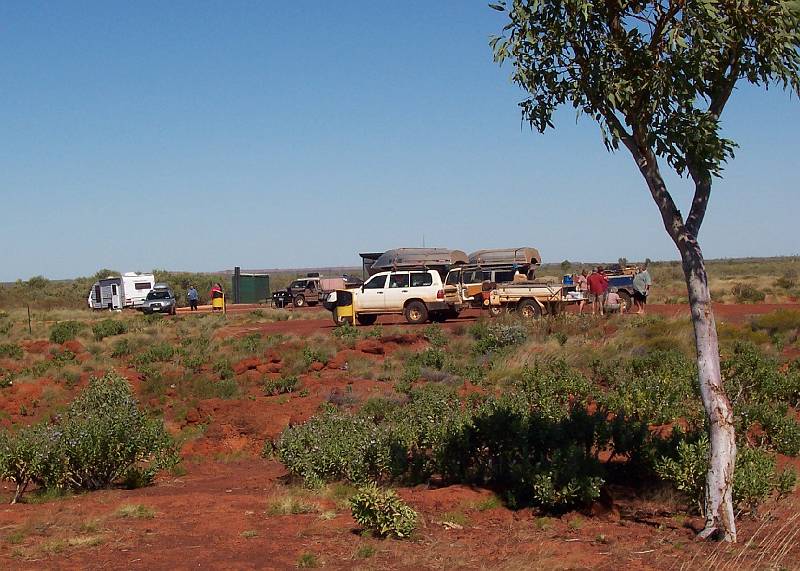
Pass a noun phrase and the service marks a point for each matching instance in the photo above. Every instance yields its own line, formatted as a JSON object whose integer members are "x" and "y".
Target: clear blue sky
{"x": 199, "y": 136}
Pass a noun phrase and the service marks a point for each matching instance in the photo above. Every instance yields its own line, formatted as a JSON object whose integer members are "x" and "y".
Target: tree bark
{"x": 722, "y": 437}
{"x": 719, "y": 480}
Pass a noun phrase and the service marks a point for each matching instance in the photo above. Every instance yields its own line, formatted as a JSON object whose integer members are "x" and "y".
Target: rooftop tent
{"x": 418, "y": 257}
{"x": 506, "y": 257}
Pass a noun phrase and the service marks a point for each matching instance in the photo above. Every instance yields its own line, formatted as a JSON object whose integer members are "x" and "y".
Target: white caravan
{"x": 129, "y": 290}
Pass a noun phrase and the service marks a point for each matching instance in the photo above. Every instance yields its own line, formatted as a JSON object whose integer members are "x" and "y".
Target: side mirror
{"x": 362, "y": 288}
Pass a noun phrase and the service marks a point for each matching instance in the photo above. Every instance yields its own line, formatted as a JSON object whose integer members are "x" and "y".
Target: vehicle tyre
{"x": 173, "y": 310}
{"x": 626, "y": 300}
{"x": 299, "y": 301}
{"x": 312, "y": 303}
{"x": 452, "y": 314}
{"x": 439, "y": 316}
{"x": 495, "y": 310}
{"x": 366, "y": 318}
{"x": 529, "y": 309}
{"x": 416, "y": 312}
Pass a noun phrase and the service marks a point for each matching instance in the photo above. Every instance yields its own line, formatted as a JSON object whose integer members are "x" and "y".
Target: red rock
{"x": 192, "y": 416}
{"x": 317, "y": 366}
{"x": 274, "y": 368}
{"x": 263, "y": 368}
{"x": 371, "y": 346}
{"x": 246, "y": 365}
{"x": 75, "y": 346}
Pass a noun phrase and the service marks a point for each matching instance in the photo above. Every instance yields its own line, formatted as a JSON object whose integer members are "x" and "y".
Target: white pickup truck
{"x": 418, "y": 295}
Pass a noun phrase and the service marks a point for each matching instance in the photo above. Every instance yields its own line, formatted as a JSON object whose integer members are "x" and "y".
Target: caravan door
{"x": 116, "y": 297}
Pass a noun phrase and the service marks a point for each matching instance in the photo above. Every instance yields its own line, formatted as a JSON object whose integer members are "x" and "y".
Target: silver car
{"x": 161, "y": 299}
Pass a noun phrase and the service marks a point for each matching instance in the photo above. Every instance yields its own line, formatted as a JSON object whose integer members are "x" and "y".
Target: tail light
{"x": 440, "y": 294}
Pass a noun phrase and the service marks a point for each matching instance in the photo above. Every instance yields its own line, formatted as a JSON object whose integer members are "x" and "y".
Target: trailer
{"x": 531, "y": 299}
{"x": 468, "y": 285}
{"x": 128, "y": 290}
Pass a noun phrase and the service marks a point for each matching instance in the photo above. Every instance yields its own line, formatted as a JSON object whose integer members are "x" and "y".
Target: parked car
{"x": 161, "y": 299}
{"x": 312, "y": 290}
{"x": 418, "y": 295}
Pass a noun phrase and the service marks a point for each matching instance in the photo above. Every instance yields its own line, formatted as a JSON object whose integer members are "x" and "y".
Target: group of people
{"x": 595, "y": 289}
{"x": 215, "y": 294}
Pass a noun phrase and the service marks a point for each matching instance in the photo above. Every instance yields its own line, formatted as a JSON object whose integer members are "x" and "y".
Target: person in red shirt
{"x": 598, "y": 289}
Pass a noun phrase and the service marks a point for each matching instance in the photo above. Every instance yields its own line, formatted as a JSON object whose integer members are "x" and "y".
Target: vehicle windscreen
{"x": 158, "y": 294}
{"x": 300, "y": 284}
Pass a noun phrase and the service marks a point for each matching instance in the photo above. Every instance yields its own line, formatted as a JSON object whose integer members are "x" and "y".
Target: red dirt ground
{"x": 216, "y": 515}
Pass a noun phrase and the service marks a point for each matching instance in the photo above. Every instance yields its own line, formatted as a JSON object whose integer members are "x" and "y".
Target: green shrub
{"x": 282, "y": 385}
{"x": 315, "y": 355}
{"x": 745, "y": 293}
{"x": 497, "y": 336}
{"x": 102, "y": 439}
{"x": 121, "y": 348}
{"x": 658, "y": 388}
{"x": 779, "y": 321}
{"x": 383, "y": 512}
{"x": 435, "y": 335}
{"x": 156, "y": 353}
{"x": 346, "y": 333}
{"x": 6, "y": 323}
{"x": 755, "y": 477}
{"x": 108, "y": 328}
{"x": 11, "y": 351}
{"x": 223, "y": 369}
{"x": 63, "y": 331}
{"x": 750, "y": 376}
{"x": 780, "y": 429}
{"x": 250, "y": 343}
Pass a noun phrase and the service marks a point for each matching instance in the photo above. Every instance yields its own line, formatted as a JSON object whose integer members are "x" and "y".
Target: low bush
{"x": 492, "y": 337}
{"x": 383, "y": 513}
{"x": 282, "y": 385}
{"x": 64, "y": 331}
{"x": 102, "y": 439}
{"x": 745, "y": 293}
{"x": 11, "y": 351}
{"x": 108, "y": 328}
{"x": 755, "y": 477}
{"x": 779, "y": 321}
{"x": 156, "y": 353}
{"x": 121, "y": 348}
{"x": 223, "y": 369}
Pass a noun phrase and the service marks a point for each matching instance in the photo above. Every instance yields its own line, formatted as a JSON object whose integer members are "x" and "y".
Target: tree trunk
{"x": 719, "y": 480}
{"x": 719, "y": 412}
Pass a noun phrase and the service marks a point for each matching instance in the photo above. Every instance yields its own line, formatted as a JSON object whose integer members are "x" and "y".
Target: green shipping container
{"x": 254, "y": 288}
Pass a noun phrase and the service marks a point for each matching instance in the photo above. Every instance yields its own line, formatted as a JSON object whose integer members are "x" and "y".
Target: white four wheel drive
{"x": 416, "y": 294}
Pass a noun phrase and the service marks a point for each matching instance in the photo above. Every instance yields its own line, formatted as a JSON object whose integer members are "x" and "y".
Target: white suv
{"x": 416, "y": 294}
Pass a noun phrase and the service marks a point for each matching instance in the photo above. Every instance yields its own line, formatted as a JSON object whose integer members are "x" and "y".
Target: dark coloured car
{"x": 161, "y": 299}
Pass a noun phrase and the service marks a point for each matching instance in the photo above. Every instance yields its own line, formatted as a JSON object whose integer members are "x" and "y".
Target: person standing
{"x": 582, "y": 288}
{"x": 217, "y": 298}
{"x": 598, "y": 287}
{"x": 641, "y": 288}
{"x": 191, "y": 295}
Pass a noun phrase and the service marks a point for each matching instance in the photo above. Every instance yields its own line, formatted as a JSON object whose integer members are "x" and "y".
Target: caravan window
{"x": 452, "y": 277}
{"x": 501, "y": 276}
{"x": 143, "y": 285}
